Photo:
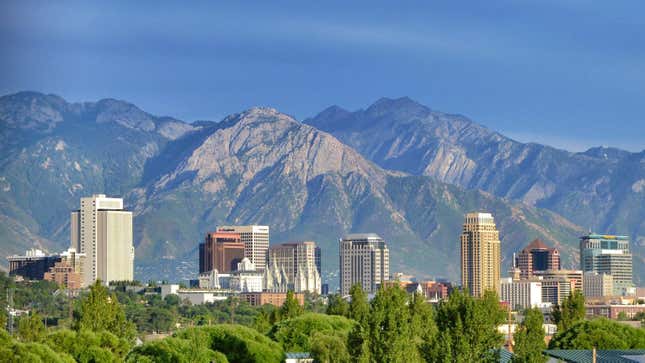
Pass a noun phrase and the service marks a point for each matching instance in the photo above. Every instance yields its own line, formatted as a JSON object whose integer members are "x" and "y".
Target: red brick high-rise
{"x": 221, "y": 251}
{"x": 537, "y": 256}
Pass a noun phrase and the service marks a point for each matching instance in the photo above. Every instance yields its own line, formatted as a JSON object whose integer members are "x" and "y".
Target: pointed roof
{"x": 536, "y": 244}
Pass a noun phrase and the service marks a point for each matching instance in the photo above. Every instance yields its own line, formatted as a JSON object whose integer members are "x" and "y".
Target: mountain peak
{"x": 385, "y": 105}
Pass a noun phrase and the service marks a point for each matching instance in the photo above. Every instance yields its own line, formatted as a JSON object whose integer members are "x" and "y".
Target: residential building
{"x": 559, "y": 284}
{"x": 365, "y": 260}
{"x": 611, "y": 255}
{"x": 597, "y": 285}
{"x": 256, "y": 242}
{"x": 102, "y": 230}
{"x": 537, "y": 256}
{"x": 220, "y": 251}
{"x": 521, "y": 294}
{"x": 293, "y": 266}
{"x": 273, "y": 298}
{"x": 32, "y": 265}
{"x": 246, "y": 278}
{"x": 68, "y": 272}
{"x": 481, "y": 258}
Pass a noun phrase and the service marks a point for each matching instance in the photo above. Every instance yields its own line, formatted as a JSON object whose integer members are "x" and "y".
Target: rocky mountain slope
{"x": 602, "y": 189}
{"x": 259, "y": 166}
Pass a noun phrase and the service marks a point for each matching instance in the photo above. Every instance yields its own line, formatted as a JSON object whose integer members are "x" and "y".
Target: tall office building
{"x": 480, "y": 254}
{"x": 537, "y": 256}
{"x": 293, "y": 266}
{"x": 521, "y": 294}
{"x": 610, "y": 255}
{"x": 364, "y": 259}
{"x": 595, "y": 285}
{"x": 220, "y": 251}
{"x": 256, "y": 242}
{"x": 102, "y": 230}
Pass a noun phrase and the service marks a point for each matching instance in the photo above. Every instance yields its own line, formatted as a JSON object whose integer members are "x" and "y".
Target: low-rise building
{"x": 32, "y": 265}
{"x": 611, "y": 311}
{"x": 273, "y": 298}
{"x": 68, "y": 272}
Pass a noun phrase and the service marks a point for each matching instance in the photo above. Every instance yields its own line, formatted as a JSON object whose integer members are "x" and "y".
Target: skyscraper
{"x": 102, "y": 230}
{"x": 221, "y": 251}
{"x": 256, "y": 242}
{"x": 537, "y": 256}
{"x": 293, "y": 266}
{"x": 480, "y": 254}
{"x": 364, "y": 259}
{"x": 610, "y": 255}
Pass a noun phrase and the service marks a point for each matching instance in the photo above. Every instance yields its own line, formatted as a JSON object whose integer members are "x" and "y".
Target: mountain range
{"x": 396, "y": 168}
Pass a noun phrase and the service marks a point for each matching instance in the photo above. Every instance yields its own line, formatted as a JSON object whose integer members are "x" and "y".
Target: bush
{"x": 296, "y": 335}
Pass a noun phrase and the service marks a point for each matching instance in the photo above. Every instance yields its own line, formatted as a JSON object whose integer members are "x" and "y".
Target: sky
{"x": 566, "y": 73}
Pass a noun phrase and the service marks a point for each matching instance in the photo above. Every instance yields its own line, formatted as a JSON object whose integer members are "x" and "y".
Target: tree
{"x": 102, "y": 312}
{"x": 337, "y": 306}
{"x": 529, "y": 339}
{"x": 31, "y": 328}
{"x": 359, "y": 308}
{"x": 291, "y": 307}
{"x": 571, "y": 311}
{"x": 467, "y": 329}
{"x": 600, "y": 333}
{"x": 622, "y": 316}
{"x": 387, "y": 330}
{"x": 301, "y": 333}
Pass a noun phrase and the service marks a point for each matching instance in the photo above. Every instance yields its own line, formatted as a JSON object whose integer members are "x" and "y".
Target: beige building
{"x": 597, "y": 285}
{"x": 256, "y": 242}
{"x": 559, "y": 284}
{"x": 102, "y": 230}
{"x": 364, "y": 259}
{"x": 68, "y": 272}
{"x": 292, "y": 266}
{"x": 480, "y": 254}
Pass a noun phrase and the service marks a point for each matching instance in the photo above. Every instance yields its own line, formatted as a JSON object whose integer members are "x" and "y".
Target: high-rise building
{"x": 256, "y": 242}
{"x": 608, "y": 254}
{"x": 220, "y": 251}
{"x": 364, "y": 259}
{"x": 293, "y": 266}
{"x": 595, "y": 285}
{"x": 32, "y": 265}
{"x": 537, "y": 256}
{"x": 480, "y": 254}
{"x": 102, "y": 230}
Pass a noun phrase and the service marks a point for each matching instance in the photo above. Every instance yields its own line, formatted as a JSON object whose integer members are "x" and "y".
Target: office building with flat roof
{"x": 32, "y": 265}
{"x": 608, "y": 254}
{"x": 102, "y": 230}
{"x": 256, "y": 242}
{"x": 220, "y": 251}
{"x": 364, "y": 259}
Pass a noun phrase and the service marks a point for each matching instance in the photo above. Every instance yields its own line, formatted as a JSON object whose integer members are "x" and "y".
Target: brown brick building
{"x": 537, "y": 256}
{"x": 221, "y": 251}
{"x": 273, "y": 298}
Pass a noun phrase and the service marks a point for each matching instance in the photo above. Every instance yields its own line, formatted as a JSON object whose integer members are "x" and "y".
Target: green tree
{"x": 571, "y": 311}
{"x": 31, "y": 328}
{"x": 359, "y": 308}
{"x": 600, "y": 333}
{"x": 388, "y": 328}
{"x": 291, "y": 308}
{"x": 100, "y": 311}
{"x": 336, "y": 305}
{"x": 300, "y": 334}
{"x": 467, "y": 329}
{"x": 529, "y": 339}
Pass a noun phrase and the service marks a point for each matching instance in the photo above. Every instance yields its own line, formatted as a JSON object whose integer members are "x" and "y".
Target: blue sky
{"x": 566, "y": 73}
